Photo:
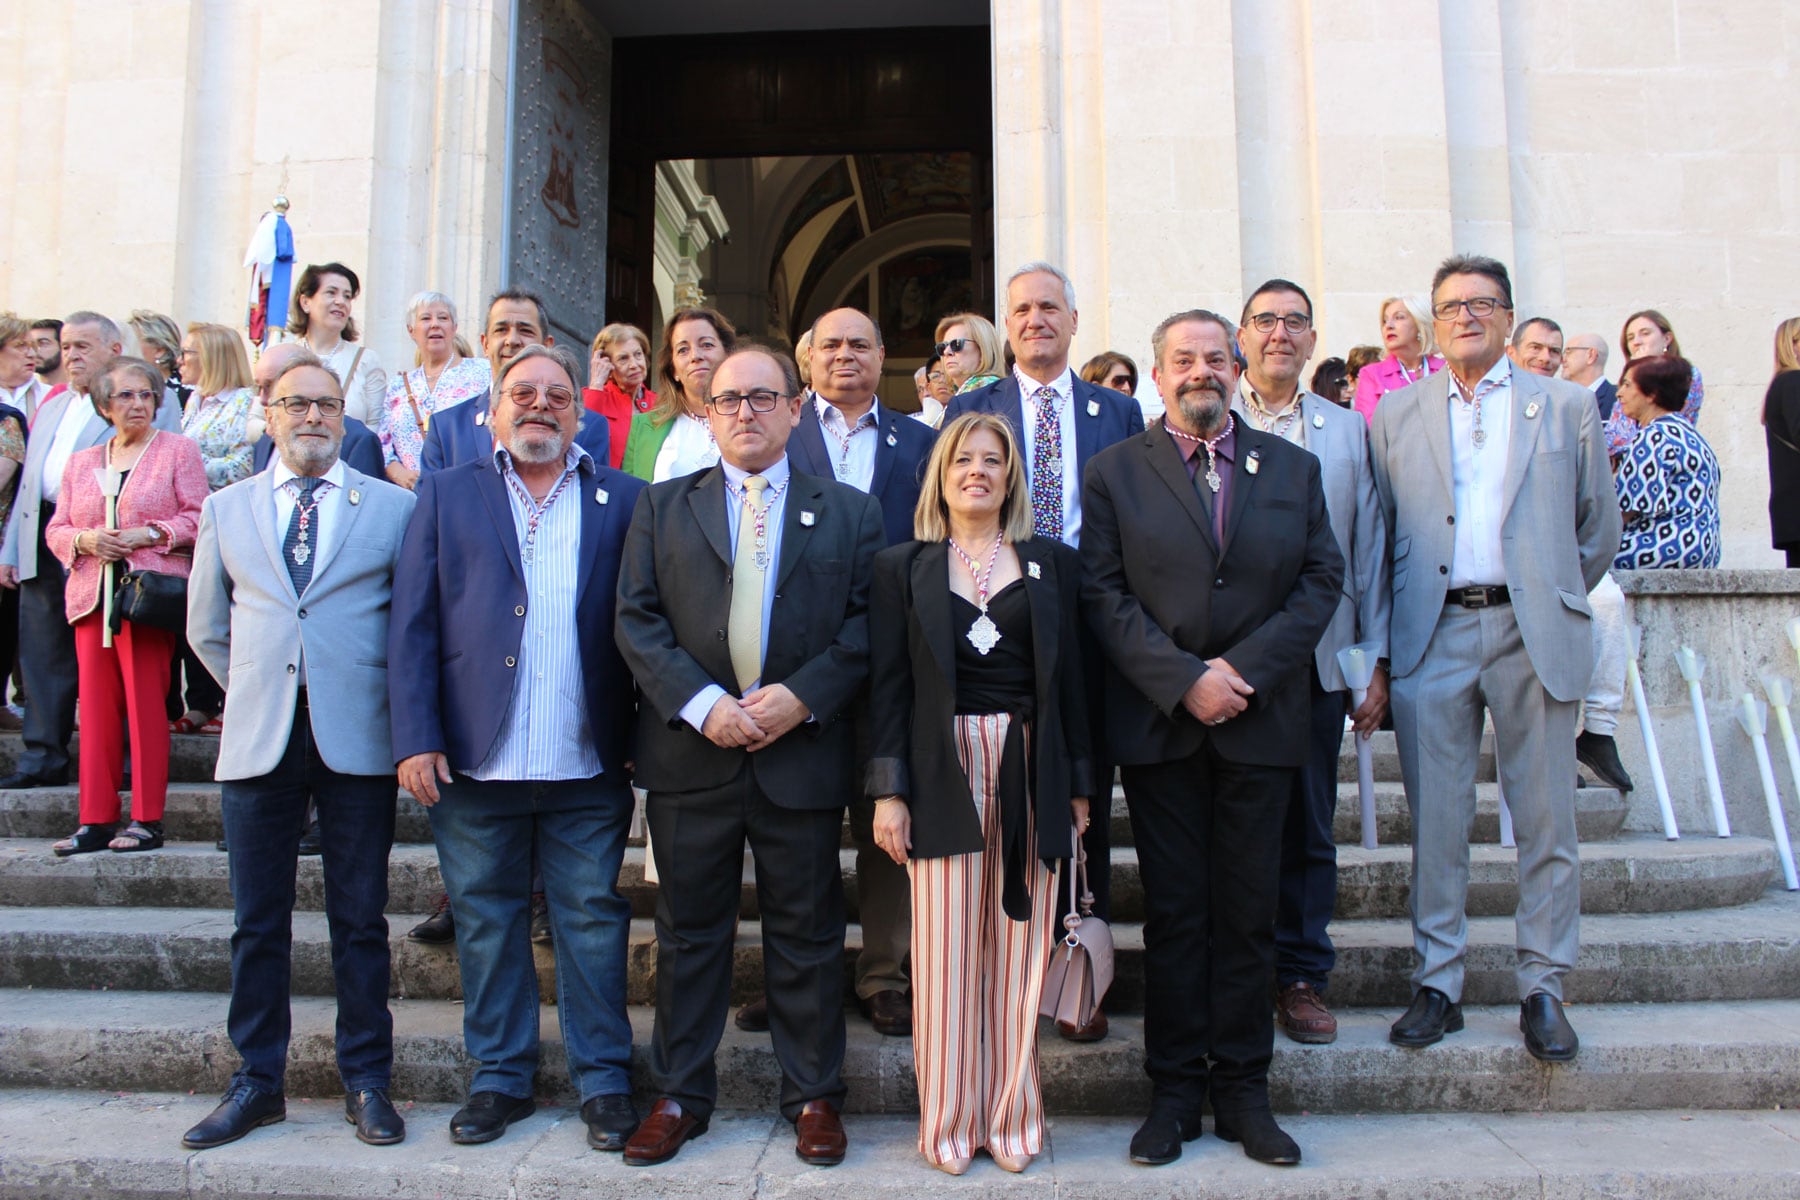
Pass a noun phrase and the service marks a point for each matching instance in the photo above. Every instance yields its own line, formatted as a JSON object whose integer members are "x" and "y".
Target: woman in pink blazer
{"x": 164, "y": 484}
{"x": 1406, "y": 335}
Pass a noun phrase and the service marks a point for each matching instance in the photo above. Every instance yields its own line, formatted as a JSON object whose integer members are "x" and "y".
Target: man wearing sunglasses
{"x": 512, "y": 717}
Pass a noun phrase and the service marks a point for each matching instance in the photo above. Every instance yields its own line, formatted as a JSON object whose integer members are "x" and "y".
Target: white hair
{"x": 419, "y": 302}
{"x": 1044, "y": 268}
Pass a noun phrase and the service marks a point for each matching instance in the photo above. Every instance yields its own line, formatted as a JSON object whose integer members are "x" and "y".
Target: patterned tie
{"x": 748, "y": 571}
{"x": 296, "y": 552}
{"x": 1047, "y": 468}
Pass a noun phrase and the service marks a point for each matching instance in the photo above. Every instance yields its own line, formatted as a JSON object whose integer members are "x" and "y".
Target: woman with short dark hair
{"x": 674, "y": 438}
{"x": 1668, "y": 477}
{"x": 320, "y": 315}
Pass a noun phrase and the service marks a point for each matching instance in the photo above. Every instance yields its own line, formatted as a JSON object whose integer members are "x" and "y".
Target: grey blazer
{"x": 1559, "y": 531}
{"x": 248, "y": 626}
{"x": 20, "y": 547}
{"x": 1339, "y": 439}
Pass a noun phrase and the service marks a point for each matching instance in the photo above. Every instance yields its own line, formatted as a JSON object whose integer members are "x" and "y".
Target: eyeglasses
{"x": 125, "y": 396}
{"x": 329, "y": 406}
{"x": 1264, "y": 322}
{"x": 1479, "y": 306}
{"x": 186, "y": 353}
{"x": 762, "y": 400}
{"x": 556, "y": 397}
{"x": 953, "y": 346}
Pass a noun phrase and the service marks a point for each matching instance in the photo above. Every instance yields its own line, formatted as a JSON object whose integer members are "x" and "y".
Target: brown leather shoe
{"x": 661, "y": 1135}
{"x": 1302, "y": 1015}
{"x": 1091, "y": 1031}
{"x": 819, "y": 1134}
{"x": 889, "y": 1012}
{"x": 754, "y": 1016}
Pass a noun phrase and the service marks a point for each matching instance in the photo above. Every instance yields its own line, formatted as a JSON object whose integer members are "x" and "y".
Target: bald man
{"x": 1584, "y": 362}
{"x": 361, "y": 449}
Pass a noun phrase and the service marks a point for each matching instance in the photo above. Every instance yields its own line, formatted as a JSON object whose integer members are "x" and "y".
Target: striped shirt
{"x": 545, "y": 734}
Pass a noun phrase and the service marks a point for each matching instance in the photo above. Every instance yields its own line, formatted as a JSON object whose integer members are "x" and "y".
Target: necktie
{"x": 749, "y": 568}
{"x": 1047, "y": 468}
{"x": 302, "y": 541}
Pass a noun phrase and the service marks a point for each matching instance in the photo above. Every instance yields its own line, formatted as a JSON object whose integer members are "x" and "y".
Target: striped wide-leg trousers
{"x": 977, "y": 979}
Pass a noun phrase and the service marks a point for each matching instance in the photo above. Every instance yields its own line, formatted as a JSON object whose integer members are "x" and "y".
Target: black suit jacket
{"x": 1102, "y": 416}
{"x": 912, "y": 702}
{"x": 675, "y": 605}
{"x": 1605, "y": 392}
{"x": 1162, "y": 596}
{"x": 361, "y": 450}
{"x": 900, "y": 457}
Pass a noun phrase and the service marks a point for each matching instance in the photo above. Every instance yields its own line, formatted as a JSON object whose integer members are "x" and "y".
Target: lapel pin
{"x": 1033, "y": 570}
{"x": 806, "y": 518}
{"x": 1253, "y": 464}
{"x": 355, "y": 496}
{"x": 892, "y": 440}
{"x": 1093, "y": 408}
{"x": 1531, "y": 410}
{"x": 480, "y": 418}
{"x": 1318, "y": 420}
{"x": 601, "y": 496}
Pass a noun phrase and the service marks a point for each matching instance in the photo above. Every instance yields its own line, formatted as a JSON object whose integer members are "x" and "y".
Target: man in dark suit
{"x": 361, "y": 448}
{"x": 512, "y": 718}
{"x": 1584, "y": 362}
{"x": 846, "y": 434}
{"x": 1047, "y": 405}
{"x": 1212, "y": 573}
{"x": 743, "y": 612}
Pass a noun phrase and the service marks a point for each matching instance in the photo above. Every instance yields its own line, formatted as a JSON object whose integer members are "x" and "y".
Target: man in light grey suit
{"x": 1501, "y": 509}
{"x": 1277, "y": 338}
{"x": 65, "y": 423}
{"x": 289, "y": 599}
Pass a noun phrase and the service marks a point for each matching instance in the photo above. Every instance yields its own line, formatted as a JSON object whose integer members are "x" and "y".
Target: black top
{"x": 1003, "y": 679}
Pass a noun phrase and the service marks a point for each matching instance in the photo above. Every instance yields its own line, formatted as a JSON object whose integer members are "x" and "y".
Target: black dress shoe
{"x": 1548, "y": 1034}
{"x": 439, "y": 929}
{"x": 25, "y": 779}
{"x": 1600, "y": 754}
{"x": 1431, "y": 1016}
{"x": 222, "y": 847}
{"x": 243, "y": 1109}
{"x": 1158, "y": 1140}
{"x": 611, "y": 1120}
{"x": 541, "y": 934}
{"x": 889, "y": 1012}
{"x": 1263, "y": 1139}
{"x": 754, "y": 1016}
{"x": 373, "y": 1114}
{"x": 309, "y": 841}
{"x": 486, "y": 1116}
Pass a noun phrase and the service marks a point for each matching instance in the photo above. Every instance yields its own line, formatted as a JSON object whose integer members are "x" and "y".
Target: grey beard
{"x": 537, "y": 453}
{"x": 1199, "y": 415}
{"x": 304, "y": 458}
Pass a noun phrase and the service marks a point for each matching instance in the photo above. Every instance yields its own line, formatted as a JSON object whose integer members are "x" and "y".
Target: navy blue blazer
{"x": 1102, "y": 416}
{"x": 361, "y": 450}
{"x": 460, "y": 434}
{"x": 900, "y": 458}
{"x": 459, "y": 615}
{"x": 1604, "y": 395}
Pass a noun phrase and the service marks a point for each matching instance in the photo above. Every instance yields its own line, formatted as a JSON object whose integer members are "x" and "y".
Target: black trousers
{"x": 1208, "y": 835}
{"x": 1303, "y": 950}
{"x": 699, "y": 839}
{"x": 47, "y": 661}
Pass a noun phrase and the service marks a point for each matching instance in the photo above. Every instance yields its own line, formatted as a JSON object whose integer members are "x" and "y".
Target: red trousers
{"x": 126, "y": 682}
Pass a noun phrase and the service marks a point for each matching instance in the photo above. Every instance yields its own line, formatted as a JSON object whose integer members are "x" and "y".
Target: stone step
{"x": 1599, "y": 814}
{"x": 1750, "y": 952}
{"x": 1711, "y": 1056}
{"x": 1636, "y": 873}
{"x": 48, "y": 1147}
{"x": 192, "y": 756}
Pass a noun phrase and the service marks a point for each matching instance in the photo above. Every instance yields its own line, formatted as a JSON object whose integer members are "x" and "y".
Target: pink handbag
{"x": 1081, "y": 963}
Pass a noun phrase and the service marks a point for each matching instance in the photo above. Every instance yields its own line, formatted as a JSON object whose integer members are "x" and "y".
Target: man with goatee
{"x": 1212, "y": 573}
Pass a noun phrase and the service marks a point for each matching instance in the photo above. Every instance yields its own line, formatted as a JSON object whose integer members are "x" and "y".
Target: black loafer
{"x": 611, "y": 1120}
{"x": 486, "y": 1116}
{"x": 310, "y": 845}
{"x": 243, "y": 1109}
{"x": 1548, "y": 1034}
{"x": 373, "y": 1114}
{"x": 541, "y": 934}
{"x": 1263, "y": 1139}
{"x": 1158, "y": 1140}
{"x": 439, "y": 929}
{"x": 754, "y": 1016}
{"x": 1431, "y": 1016}
{"x": 1599, "y": 753}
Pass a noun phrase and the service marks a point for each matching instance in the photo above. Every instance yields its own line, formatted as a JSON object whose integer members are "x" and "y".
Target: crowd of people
{"x": 539, "y": 595}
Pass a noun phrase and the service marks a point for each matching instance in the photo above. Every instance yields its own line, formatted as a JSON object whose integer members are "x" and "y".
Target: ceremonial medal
{"x": 984, "y": 635}
{"x": 301, "y": 554}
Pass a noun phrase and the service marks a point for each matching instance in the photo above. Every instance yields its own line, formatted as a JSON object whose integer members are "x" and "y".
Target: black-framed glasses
{"x": 1264, "y": 322}
{"x": 953, "y": 346}
{"x": 329, "y": 406}
{"x": 761, "y": 400}
{"x": 1478, "y": 306}
{"x": 556, "y": 396}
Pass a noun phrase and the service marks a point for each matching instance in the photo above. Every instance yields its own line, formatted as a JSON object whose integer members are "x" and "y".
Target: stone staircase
{"x": 114, "y": 969}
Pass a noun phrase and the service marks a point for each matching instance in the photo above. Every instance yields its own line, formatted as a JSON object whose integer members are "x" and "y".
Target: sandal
{"x": 139, "y": 835}
{"x": 214, "y": 727}
{"x": 85, "y": 840}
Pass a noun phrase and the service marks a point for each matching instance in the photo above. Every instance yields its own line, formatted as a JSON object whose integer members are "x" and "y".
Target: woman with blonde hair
{"x": 981, "y": 771}
{"x": 971, "y": 350}
{"x": 1781, "y": 428}
{"x": 1411, "y": 353}
{"x": 618, "y": 367}
{"x": 159, "y": 342}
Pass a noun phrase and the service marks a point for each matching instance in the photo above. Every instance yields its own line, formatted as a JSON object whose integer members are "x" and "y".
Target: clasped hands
{"x": 1218, "y": 695}
{"x": 112, "y": 545}
{"x": 756, "y": 721}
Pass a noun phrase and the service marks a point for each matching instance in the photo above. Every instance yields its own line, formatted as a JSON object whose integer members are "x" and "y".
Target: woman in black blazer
{"x": 1781, "y": 426}
{"x": 981, "y": 772}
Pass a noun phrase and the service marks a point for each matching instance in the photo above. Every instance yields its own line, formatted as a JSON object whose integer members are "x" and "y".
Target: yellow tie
{"x": 749, "y": 571}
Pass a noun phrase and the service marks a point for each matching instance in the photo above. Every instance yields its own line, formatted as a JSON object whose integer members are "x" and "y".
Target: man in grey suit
{"x": 289, "y": 599}
{"x": 1502, "y": 514}
{"x": 1276, "y": 337}
{"x": 65, "y": 423}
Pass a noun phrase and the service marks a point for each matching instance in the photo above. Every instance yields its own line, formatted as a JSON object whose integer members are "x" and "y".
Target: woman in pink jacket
{"x": 1406, "y": 336}
{"x": 162, "y": 485}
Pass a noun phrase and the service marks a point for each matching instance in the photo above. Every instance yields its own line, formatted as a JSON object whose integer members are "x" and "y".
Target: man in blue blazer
{"x": 1041, "y": 320}
{"x": 361, "y": 448}
{"x": 512, "y": 719}
{"x": 846, "y": 434}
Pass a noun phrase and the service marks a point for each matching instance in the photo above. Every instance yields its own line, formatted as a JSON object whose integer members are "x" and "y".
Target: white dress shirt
{"x": 695, "y": 710}
{"x": 545, "y": 733}
{"x": 688, "y": 448}
{"x": 1064, "y": 386}
{"x": 852, "y": 451}
{"x": 327, "y": 520}
{"x": 75, "y": 416}
{"x": 1479, "y": 479}
{"x": 26, "y": 397}
{"x": 1291, "y": 421}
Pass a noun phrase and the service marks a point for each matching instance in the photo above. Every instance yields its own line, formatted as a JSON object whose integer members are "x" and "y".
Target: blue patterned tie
{"x": 1047, "y": 468}
{"x": 296, "y": 553}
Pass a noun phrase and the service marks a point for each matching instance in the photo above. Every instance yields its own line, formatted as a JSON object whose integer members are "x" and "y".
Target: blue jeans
{"x": 264, "y": 818}
{"x": 484, "y": 832}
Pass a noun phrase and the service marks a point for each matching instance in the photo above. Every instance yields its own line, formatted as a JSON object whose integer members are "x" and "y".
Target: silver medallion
{"x": 527, "y": 554}
{"x": 1479, "y": 438}
{"x": 984, "y": 635}
{"x": 301, "y": 554}
{"x": 1213, "y": 480}
{"x": 762, "y": 560}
